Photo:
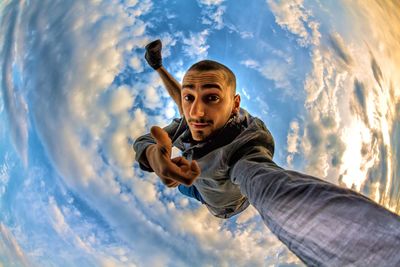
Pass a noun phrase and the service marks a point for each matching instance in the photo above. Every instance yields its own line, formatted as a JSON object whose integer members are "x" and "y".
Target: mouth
{"x": 199, "y": 125}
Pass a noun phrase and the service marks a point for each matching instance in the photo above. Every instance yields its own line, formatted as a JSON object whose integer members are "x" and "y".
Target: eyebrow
{"x": 204, "y": 86}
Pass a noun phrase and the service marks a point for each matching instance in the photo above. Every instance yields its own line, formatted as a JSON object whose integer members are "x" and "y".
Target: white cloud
{"x": 246, "y": 34}
{"x": 131, "y": 3}
{"x": 250, "y": 63}
{"x": 214, "y": 16}
{"x": 75, "y": 125}
{"x": 121, "y": 100}
{"x": 350, "y": 83}
{"x": 292, "y": 138}
{"x": 120, "y": 151}
{"x": 211, "y": 2}
{"x": 292, "y": 15}
{"x": 4, "y": 176}
{"x": 276, "y": 70}
{"x": 217, "y": 17}
{"x": 136, "y": 63}
{"x": 195, "y": 46}
{"x": 62, "y": 233}
{"x": 247, "y": 215}
{"x": 243, "y": 34}
{"x": 145, "y": 191}
{"x": 137, "y": 124}
{"x": 383, "y": 48}
{"x": 63, "y": 229}
{"x": 168, "y": 42}
{"x": 1, "y": 103}
{"x": 212, "y": 13}
{"x": 222, "y": 246}
{"x": 170, "y": 110}
{"x": 11, "y": 84}
{"x": 152, "y": 98}
{"x": 139, "y": 28}
{"x": 292, "y": 141}
{"x": 263, "y": 106}
{"x": 245, "y": 93}
{"x": 140, "y": 9}
{"x": 11, "y": 252}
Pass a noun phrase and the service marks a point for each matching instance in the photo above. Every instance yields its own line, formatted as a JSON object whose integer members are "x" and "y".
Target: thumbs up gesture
{"x": 172, "y": 172}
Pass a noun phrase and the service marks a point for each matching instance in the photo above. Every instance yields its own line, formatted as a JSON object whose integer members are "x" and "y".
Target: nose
{"x": 197, "y": 109}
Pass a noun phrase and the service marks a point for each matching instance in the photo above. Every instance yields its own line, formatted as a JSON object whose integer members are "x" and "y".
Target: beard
{"x": 198, "y": 135}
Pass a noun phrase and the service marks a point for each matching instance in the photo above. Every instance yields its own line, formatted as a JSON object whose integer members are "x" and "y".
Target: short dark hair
{"x": 207, "y": 65}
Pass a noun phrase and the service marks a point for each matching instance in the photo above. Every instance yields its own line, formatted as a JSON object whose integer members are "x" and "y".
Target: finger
{"x": 169, "y": 182}
{"x": 182, "y": 163}
{"x": 186, "y": 166}
{"x": 195, "y": 168}
{"x": 160, "y": 135}
{"x": 173, "y": 184}
{"x": 183, "y": 175}
{"x": 162, "y": 138}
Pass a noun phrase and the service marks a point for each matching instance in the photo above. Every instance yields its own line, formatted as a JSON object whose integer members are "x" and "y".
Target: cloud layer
{"x": 87, "y": 104}
{"x": 350, "y": 104}
{"x": 78, "y": 92}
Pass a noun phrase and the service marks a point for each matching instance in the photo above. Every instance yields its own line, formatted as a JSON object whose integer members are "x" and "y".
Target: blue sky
{"x": 76, "y": 91}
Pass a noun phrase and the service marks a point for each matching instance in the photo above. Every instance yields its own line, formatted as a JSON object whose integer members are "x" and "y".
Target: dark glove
{"x": 153, "y": 54}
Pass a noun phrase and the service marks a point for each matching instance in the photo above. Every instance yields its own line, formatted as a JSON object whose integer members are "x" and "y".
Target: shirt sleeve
{"x": 142, "y": 142}
{"x": 322, "y": 223}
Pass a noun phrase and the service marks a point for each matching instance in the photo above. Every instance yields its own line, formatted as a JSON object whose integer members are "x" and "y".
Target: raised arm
{"x": 154, "y": 58}
{"x": 173, "y": 86}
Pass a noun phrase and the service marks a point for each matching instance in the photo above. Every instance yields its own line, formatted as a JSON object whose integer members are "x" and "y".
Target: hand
{"x": 153, "y": 54}
{"x": 172, "y": 172}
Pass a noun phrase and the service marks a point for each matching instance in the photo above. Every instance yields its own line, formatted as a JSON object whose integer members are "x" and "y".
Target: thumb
{"x": 162, "y": 138}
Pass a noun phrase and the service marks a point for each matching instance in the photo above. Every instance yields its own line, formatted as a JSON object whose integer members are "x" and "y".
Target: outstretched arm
{"x": 323, "y": 224}
{"x": 154, "y": 58}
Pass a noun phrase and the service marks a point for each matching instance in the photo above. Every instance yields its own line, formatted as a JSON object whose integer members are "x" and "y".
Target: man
{"x": 227, "y": 164}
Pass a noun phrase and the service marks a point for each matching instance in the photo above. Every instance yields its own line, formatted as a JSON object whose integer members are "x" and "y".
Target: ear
{"x": 236, "y": 104}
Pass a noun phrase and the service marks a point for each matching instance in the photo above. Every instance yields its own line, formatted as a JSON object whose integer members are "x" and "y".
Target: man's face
{"x": 207, "y": 102}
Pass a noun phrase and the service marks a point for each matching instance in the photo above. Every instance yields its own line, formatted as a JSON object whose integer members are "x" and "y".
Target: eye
{"x": 212, "y": 98}
{"x": 188, "y": 98}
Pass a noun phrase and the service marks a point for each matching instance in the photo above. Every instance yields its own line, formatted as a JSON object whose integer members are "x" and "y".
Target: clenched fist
{"x": 153, "y": 54}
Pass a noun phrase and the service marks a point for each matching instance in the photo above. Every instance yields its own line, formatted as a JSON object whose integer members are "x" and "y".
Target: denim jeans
{"x": 190, "y": 191}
